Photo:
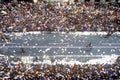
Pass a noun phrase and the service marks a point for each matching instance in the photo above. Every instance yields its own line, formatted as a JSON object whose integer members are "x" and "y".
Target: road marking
{"x": 58, "y": 47}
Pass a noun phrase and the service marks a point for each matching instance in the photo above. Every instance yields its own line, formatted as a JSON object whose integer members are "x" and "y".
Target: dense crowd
{"x": 45, "y": 16}
{"x": 20, "y": 71}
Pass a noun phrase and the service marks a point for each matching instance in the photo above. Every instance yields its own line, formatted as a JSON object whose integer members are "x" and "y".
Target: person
{"x": 89, "y": 47}
{"x": 22, "y": 50}
{"x": 5, "y": 38}
{"x": 109, "y": 33}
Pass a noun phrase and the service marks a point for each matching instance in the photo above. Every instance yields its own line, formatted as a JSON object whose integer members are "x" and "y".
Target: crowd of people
{"x": 21, "y": 71}
{"x": 46, "y": 16}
